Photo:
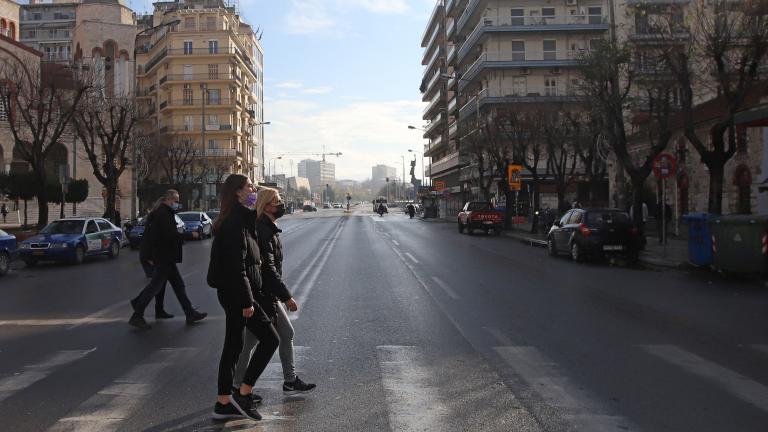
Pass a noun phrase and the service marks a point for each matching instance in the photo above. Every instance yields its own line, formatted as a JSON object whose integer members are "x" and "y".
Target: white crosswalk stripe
{"x": 579, "y": 409}
{"x": 36, "y": 372}
{"x": 107, "y": 409}
{"x": 413, "y": 402}
{"x": 736, "y": 384}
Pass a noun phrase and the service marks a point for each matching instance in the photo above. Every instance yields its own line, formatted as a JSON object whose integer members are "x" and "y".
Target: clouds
{"x": 295, "y": 85}
{"x": 315, "y": 17}
{"x": 367, "y": 133}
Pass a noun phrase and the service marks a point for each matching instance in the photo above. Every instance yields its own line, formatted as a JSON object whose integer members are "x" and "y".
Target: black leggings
{"x": 261, "y": 327}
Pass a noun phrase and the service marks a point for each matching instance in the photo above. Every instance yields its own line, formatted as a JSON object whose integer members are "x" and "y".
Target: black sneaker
{"x": 196, "y": 316}
{"x": 244, "y": 405}
{"x": 139, "y": 322}
{"x": 297, "y": 386}
{"x": 257, "y": 399}
{"x": 162, "y": 315}
{"x": 224, "y": 412}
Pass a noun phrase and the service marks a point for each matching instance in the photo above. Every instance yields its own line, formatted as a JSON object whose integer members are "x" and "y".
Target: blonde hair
{"x": 266, "y": 195}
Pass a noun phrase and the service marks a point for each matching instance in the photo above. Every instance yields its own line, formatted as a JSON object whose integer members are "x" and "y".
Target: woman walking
{"x": 277, "y": 296}
{"x": 235, "y": 272}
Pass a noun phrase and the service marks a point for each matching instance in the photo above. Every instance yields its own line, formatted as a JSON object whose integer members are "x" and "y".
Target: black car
{"x": 594, "y": 232}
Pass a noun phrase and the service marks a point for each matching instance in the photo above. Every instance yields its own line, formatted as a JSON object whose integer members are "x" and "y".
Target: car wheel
{"x": 576, "y": 253}
{"x": 114, "y": 250}
{"x": 30, "y": 262}
{"x": 551, "y": 247}
{"x": 469, "y": 229}
{"x": 5, "y": 263}
{"x": 461, "y": 227}
{"x": 79, "y": 255}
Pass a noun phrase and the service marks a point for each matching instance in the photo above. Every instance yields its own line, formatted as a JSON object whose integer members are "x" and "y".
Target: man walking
{"x": 4, "y": 211}
{"x": 164, "y": 253}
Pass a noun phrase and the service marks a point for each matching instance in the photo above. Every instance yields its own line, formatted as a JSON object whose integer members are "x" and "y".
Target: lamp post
{"x": 423, "y": 171}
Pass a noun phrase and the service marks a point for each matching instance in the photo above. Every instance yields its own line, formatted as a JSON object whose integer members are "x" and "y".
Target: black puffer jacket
{"x": 161, "y": 243}
{"x": 235, "y": 263}
{"x": 271, "y": 264}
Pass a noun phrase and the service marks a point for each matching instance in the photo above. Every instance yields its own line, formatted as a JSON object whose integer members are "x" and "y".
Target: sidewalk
{"x": 674, "y": 255}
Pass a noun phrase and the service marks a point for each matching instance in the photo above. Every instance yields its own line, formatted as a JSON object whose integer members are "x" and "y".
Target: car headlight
{"x": 24, "y": 246}
{"x": 60, "y": 245}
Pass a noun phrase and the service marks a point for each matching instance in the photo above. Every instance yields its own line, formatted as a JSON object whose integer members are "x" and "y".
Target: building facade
{"x": 200, "y": 80}
{"x": 49, "y": 28}
{"x": 9, "y": 19}
{"x": 489, "y": 56}
{"x": 319, "y": 173}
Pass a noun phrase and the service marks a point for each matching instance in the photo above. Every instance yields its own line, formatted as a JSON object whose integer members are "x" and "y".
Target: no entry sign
{"x": 664, "y": 165}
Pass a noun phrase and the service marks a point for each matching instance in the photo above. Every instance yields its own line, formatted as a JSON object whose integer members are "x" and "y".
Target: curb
{"x": 527, "y": 240}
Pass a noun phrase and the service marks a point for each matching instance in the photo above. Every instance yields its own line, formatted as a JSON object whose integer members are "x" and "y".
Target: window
{"x": 214, "y": 96}
{"x": 550, "y": 87}
{"x": 213, "y": 47}
{"x": 211, "y": 144}
{"x": 4, "y": 100}
{"x": 518, "y": 50}
{"x": 189, "y": 24}
{"x": 210, "y": 23}
{"x": 518, "y": 17}
{"x": 595, "y": 15}
{"x": 103, "y": 225}
{"x": 576, "y": 217}
{"x": 594, "y": 44}
{"x": 548, "y": 13}
{"x": 213, "y": 71}
{"x": 187, "y": 47}
{"x": 550, "y": 50}
{"x": 188, "y": 72}
{"x": 188, "y": 97}
{"x": 189, "y": 123}
{"x": 213, "y": 122}
{"x": 37, "y": 16}
{"x": 564, "y": 220}
{"x": 91, "y": 227}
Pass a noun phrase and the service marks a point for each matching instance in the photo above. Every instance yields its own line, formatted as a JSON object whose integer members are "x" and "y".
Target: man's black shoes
{"x": 196, "y": 316}
{"x": 138, "y": 322}
{"x": 297, "y": 386}
{"x": 161, "y": 314}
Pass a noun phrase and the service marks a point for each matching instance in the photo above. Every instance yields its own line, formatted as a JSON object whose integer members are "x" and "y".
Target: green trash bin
{"x": 738, "y": 243}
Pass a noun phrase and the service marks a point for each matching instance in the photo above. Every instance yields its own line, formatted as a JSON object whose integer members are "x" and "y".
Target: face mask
{"x": 251, "y": 200}
{"x": 280, "y": 212}
{"x": 176, "y": 206}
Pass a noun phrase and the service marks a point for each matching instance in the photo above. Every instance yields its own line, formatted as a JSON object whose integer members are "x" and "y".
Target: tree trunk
{"x": 42, "y": 202}
{"x": 25, "y": 215}
{"x": 716, "y": 174}
{"x": 536, "y": 206}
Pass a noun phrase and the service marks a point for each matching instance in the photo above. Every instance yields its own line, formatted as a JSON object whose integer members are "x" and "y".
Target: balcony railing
{"x": 155, "y": 60}
{"x": 431, "y": 63}
{"x": 433, "y": 124}
{"x": 198, "y": 77}
{"x": 197, "y": 102}
{"x": 57, "y": 57}
{"x": 433, "y": 103}
{"x": 220, "y": 152}
{"x": 524, "y": 59}
{"x": 519, "y": 95}
{"x": 450, "y": 161}
{"x": 225, "y": 50}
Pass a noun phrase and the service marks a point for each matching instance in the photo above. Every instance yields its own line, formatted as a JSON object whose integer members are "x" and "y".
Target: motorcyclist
{"x": 381, "y": 210}
{"x": 411, "y": 210}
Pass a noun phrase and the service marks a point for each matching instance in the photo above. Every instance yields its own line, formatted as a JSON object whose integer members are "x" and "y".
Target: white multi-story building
{"x": 49, "y": 27}
{"x": 319, "y": 173}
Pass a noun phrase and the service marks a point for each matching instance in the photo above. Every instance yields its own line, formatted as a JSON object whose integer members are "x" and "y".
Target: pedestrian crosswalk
{"x": 414, "y": 396}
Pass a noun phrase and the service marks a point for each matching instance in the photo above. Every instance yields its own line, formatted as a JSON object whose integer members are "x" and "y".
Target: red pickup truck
{"x": 480, "y": 215}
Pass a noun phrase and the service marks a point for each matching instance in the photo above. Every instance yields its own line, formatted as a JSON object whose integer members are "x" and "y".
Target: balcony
{"x": 220, "y": 152}
{"x": 433, "y": 20}
{"x": 451, "y": 161}
{"x": 142, "y": 93}
{"x": 206, "y": 51}
{"x": 431, "y": 63}
{"x": 196, "y": 129}
{"x": 196, "y": 103}
{"x": 472, "y": 10}
{"x": 56, "y": 58}
{"x": 155, "y": 60}
{"x": 433, "y": 125}
{"x": 430, "y": 88}
{"x": 522, "y": 94}
{"x": 570, "y": 24}
{"x": 452, "y": 50}
{"x": 433, "y": 145}
{"x": 520, "y": 59}
{"x": 451, "y": 27}
{"x": 433, "y": 104}
{"x": 226, "y": 76}
{"x": 452, "y": 129}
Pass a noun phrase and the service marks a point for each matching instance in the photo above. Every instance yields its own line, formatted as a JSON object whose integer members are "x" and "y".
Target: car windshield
{"x": 3, "y": 233}
{"x": 190, "y": 217}
{"x": 64, "y": 227}
{"x": 479, "y": 206}
{"x": 212, "y": 214}
{"x": 606, "y": 216}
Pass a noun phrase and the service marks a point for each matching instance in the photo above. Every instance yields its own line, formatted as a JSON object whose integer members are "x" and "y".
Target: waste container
{"x": 738, "y": 243}
{"x": 699, "y": 239}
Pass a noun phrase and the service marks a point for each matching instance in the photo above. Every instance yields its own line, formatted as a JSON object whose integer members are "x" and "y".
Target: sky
{"x": 343, "y": 74}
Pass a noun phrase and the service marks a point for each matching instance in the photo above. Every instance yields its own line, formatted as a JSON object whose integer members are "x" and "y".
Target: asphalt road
{"x": 404, "y": 325}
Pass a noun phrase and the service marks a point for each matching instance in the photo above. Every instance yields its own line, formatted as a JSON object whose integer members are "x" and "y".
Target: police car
{"x": 7, "y": 251}
{"x": 72, "y": 240}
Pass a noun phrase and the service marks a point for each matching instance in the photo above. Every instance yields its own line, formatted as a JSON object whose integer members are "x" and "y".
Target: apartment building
{"x": 319, "y": 173}
{"x": 486, "y": 56}
{"x": 200, "y": 80}
{"x": 48, "y": 28}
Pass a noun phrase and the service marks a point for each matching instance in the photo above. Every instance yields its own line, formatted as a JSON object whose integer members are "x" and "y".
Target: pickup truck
{"x": 480, "y": 215}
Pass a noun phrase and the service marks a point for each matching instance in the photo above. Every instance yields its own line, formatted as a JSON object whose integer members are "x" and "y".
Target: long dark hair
{"x": 229, "y": 202}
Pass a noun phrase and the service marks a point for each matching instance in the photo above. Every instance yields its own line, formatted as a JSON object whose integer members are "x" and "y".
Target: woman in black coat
{"x": 235, "y": 272}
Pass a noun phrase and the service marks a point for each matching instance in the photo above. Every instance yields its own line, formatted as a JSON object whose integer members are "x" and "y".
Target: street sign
{"x": 439, "y": 185}
{"x": 513, "y": 177}
{"x": 664, "y": 165}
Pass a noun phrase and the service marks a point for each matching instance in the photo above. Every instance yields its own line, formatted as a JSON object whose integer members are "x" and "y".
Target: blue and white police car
{"x": 7, "y": 251}
{"x": 72, "y": 240}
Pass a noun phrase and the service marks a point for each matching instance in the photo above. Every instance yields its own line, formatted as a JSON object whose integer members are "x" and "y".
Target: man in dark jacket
{"x": 163, "y": 253}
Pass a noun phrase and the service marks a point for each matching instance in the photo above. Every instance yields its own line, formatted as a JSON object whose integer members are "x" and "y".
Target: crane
{"x": 323, "y": 155}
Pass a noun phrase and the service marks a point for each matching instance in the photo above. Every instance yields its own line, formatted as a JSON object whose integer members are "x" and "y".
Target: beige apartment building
{"x": 485, "y": 56}
{"x": 200, "y": 78}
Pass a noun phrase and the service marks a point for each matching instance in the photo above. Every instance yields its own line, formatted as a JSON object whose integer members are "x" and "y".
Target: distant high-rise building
{"x": 380, "y": 173}
{"x": 319, "y": 173}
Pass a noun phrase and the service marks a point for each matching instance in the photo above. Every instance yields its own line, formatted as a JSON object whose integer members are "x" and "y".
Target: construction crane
{"x": 323, "y": 155}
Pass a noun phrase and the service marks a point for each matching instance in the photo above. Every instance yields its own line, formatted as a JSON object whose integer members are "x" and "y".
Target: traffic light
{"x": 413, "y": 167}
{"x": 387, "y": 179}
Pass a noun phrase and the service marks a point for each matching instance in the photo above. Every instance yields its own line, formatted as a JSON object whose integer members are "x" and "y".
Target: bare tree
{"x": 718, "y": 50}
{"x": 628, "y": 109}
{"x": 561, "y": 153}
{"x": 175, "y": 157}
{"x": 586, "y": 136}
{"x": 106, "y": 127}
{"x": 41, "y": 101}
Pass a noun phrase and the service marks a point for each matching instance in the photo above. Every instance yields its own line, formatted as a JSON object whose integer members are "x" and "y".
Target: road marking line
{"x": 578, "y": 408}
{"x": 733, "y": 382}
{"x": 300, "y": 280}
{"x": 107, "y": 409}
{"x": 448, "y": 290}
{"x": 499, "y": 336}
{"x": 36, "y": 372}
{"x": 323, "y": 258}
{"x": 74, "y": 322}
{"x": 272, "y": 377}
{"x": 397, "y": 243}
{"x": 413, "y": 401}
{"x": 415, "y": 261}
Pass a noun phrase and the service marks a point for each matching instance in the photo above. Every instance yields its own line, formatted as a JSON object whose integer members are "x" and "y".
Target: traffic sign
{"x": 664, "y": 165}
{"x": 513, "y": 177}
{"x": 439, "y": 185}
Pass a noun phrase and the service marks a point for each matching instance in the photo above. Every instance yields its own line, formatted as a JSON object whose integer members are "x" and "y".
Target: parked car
{"x": 213, "y": 214}
{"x": 594, "y": 232}
{"x": 337, "y": 205}
{"x": 309, "y": 208}
{"x": 480, "y": 215}
{"x": 8, "y": 251}
{"x": 137, "y": 231}
{"x": 72, "y": 240}
{"x": 199, "y": 222}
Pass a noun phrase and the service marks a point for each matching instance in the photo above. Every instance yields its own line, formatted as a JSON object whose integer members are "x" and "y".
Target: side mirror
{"x": 557, "y": 224}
